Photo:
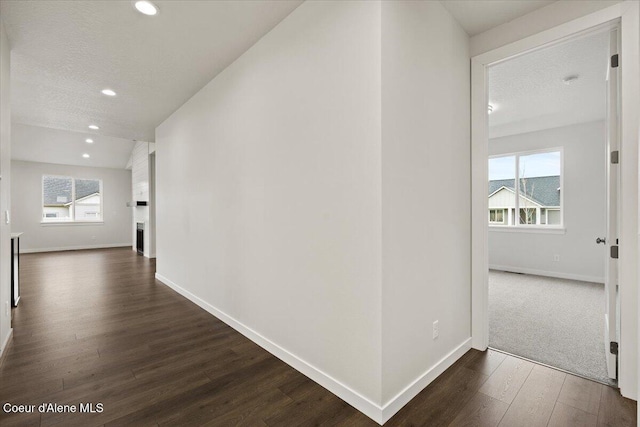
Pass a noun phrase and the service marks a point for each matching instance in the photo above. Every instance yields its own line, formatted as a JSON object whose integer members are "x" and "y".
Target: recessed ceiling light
{"x": 108, "y": 92}
{"x": 570, "y": 79}
{"x": 489, "y": 108}
{"x": 94, "y": 127}
{"x": 146, "y": 7}
{"x": 89, "y": 141}
{"x": 86, "y": 156}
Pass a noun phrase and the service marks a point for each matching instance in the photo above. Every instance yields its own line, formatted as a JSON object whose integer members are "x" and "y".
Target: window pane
{"x": 539, "y": 176}
{"x": 502, "y": 179}
{"x": 88, "y": 200}
{"x": 56, "y": 196}
{"x": 553, "y": 216}
{"x": 528, "y": 216}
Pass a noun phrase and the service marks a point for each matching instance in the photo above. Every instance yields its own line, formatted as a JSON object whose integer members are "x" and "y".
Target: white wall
{"x": 584, "y": 192}
{"x": 269, "y": 198}
{"x": 5, "y": 187}
{"x": 26, "y": 191}
{"x": 426, "y": 240}
{"x": 282, "y": 182}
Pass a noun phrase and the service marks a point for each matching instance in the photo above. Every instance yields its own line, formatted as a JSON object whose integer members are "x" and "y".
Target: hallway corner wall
{"x": 5, "y": 187}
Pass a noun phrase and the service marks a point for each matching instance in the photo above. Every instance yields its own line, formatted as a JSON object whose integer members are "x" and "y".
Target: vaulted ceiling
{"x": 65, "y": 52}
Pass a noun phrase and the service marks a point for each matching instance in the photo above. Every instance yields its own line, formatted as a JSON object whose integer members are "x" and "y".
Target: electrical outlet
{"x": 556, "y": 258}
{"x": 6, "y": 308}
{"x": 93, "y": 237}
{"x": 436, "y": 330}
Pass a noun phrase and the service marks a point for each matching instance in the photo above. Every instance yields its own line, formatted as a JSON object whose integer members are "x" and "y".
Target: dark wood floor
{"x": 95, "y": 327}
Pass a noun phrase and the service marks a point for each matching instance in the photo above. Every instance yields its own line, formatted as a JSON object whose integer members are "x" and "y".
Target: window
{"x": 66, "y": 199}
{"x": 496, "y": 216}
{"x": 528, "y": 216}
{"x": 537, "y": 198}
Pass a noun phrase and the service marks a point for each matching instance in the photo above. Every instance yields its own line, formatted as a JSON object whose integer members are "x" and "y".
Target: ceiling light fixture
{"x": 146, "y": 7}
{"x": 570, "y": 79}
{"x": 94, "y": 127}
{"x": 86, "y": 156}
{"x": 108, "y": 92}
{"x": 89, "y": 141}
{"x": 489, "y": 108}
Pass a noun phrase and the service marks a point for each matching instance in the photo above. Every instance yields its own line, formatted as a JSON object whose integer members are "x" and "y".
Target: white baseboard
{"x": 74, "y": 248}
{"x": 412, "y": 390}
{"x": 558, "y": 275}
{"x": 350, "y": 396}
{"x": 3, "y": 348}
{"x": 374, "y": 411}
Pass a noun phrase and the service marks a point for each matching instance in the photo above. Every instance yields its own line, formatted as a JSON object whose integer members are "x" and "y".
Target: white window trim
{"x": 72, "y": 223}
{"x": 530, "y": 228}
{"x": 533, "y": 228}
{"x": 72, "y": 220}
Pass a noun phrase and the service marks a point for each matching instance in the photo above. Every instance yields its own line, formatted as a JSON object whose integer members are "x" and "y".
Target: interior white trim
{"x": 352, "y": 397}
{"x": 74, "y": 248}
{"x": 544, "y": 273}
{"x": 63, "y": 223}
{"x": 629, "y": 15}
{"x": 3, "y": 348}
{"x": 607, "y": 339}
{"x": 412, "y": 390}
{"x": 527, "y": 229}
{"x": 379, "y": 414}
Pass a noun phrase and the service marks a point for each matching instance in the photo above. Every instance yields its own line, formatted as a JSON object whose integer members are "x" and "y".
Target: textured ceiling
{"x": 476, "y": 16}
{"x": 65, "y": 52}
{"x": 528, "y": 94}
{"x": 38, "y": 144}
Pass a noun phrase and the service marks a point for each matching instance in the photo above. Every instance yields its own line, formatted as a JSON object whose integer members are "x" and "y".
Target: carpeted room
{"x": 548, "y": 184}
{"x": 557, "y": 322}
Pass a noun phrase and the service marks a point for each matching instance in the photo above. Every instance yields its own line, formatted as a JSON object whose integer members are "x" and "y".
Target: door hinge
{"x": 614, "y": 252}
{"x": 613, "y": 347}
{"x": 615, "y": 157}
{"x": 614, "y": 61}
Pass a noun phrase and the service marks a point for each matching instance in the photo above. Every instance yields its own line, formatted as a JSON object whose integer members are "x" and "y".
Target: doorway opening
{"x": 552, "y": 192}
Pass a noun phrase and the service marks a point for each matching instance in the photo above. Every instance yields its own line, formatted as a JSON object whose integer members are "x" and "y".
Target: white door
{"x": 613, "y": 176}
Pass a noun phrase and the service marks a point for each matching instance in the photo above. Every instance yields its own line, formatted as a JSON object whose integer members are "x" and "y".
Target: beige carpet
{"x": 554, "y": 321}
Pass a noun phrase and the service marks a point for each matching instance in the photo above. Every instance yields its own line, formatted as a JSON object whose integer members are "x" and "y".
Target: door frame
{"x": 628, "y": 15}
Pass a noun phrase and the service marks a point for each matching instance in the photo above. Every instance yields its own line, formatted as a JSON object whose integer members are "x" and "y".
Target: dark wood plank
{"x": 568, "y": 416}
{"x": 481, "y": 411}
{"x": 615, "y": 410}
{"x": 506, "y": 380}
{"x": 95, "y": 326}
{"x": 536, "y": 399}
{"x": 442, "y": 400}
{"x": 19, "y": 420}
{"x": 581, "y": 394}
{"x": 485, "y": 362}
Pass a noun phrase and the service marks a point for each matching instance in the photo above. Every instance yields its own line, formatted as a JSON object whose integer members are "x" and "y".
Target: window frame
{"x": 501, "y": 210}
{"x": 516, "y": 226}
{"x": 72, "y": 220}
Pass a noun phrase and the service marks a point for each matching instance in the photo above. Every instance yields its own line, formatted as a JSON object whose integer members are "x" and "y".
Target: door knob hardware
{"x": 602, "y": 240}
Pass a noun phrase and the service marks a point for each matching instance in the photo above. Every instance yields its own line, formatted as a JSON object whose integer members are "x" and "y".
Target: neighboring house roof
{"x": 58, "y": 187}
{"x": 544, "y": 190}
